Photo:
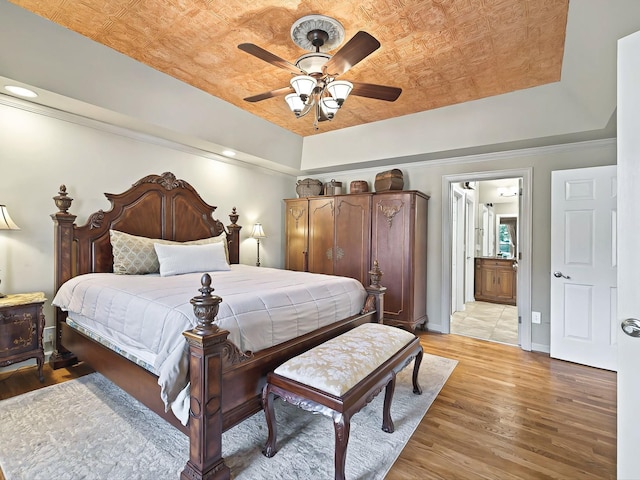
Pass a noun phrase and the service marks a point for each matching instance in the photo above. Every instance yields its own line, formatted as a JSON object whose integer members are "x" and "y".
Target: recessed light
{"x": 23, "y": 92}
{"x": 229, "y": 153}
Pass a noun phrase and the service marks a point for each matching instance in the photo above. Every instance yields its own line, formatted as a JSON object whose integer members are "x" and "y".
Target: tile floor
{"x": 487, "y": 321}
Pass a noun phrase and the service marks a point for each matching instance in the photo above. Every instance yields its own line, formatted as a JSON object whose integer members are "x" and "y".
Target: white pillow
{"x": 179, "y": 259}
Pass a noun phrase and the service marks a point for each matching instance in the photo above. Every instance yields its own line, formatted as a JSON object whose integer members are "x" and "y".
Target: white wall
{"x": 40, "y": 151}
{"x": 427, "y": 177}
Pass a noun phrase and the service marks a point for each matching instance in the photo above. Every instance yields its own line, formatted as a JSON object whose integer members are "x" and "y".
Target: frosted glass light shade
{"x": 329, "y": 107}
{"x": 303, "y": 85}
{"x": 295, "y": 103}
{"x": 339, "y": 90}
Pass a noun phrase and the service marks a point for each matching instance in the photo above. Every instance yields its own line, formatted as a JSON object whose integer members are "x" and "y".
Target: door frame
{"x": 524, "y": 263}
{"x": 457, "y": 280}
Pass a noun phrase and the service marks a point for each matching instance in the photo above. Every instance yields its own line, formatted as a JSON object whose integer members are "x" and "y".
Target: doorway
{"x": 486, "y": 252}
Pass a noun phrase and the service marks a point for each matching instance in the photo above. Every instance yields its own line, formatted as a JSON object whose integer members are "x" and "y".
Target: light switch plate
{"x": 535, "y": 317}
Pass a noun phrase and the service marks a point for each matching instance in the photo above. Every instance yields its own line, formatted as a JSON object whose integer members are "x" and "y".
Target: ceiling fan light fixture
{"x": 312, "y": 62}
{"x": 339, "y": 90}
{"x": 295, "y": 103}
{"x": 303, "y": 85}
{"x": 329, "y": 107}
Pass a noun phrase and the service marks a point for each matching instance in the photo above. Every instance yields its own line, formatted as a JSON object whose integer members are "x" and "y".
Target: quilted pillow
{"x": 179, "y": 259}
{"x": 135, "y": 255}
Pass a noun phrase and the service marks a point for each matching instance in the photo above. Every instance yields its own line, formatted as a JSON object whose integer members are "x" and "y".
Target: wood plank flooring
{"x": 503, "y": 414}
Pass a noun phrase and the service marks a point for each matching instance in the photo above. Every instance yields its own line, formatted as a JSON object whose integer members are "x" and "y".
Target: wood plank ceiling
{"x": 440, "y": 52}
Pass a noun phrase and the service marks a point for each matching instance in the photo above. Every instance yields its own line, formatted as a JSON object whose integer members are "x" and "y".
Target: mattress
{"x": 144, "y": 316}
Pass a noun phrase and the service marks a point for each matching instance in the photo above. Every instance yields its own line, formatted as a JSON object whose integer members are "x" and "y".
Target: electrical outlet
{"x": 535, "y": 317}
{"x": 48, "y": 334}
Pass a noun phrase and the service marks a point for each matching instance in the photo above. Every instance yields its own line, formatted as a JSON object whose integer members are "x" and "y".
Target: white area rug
{"x": 90, "y": 429}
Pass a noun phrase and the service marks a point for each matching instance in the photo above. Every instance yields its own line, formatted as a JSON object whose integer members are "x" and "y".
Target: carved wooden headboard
{"x": 156, "y": 206}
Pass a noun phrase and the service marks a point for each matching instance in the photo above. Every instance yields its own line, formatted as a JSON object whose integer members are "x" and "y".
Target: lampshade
{"x": 295, "y": 103}
{"x": 303, "y": 85}
{"x": 312, "y": 62}
{"x": 5, "y": 220}
{"x": 257, "y": 231}
{"x": 329, "y": 107}
{"x": 339, "y": 90}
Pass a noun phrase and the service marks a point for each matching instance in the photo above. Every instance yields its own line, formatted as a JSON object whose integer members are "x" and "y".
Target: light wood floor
{"x": 503, "y": 414}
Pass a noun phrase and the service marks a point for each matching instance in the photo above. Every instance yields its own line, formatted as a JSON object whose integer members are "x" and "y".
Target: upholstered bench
{"x": 342, "y": 375}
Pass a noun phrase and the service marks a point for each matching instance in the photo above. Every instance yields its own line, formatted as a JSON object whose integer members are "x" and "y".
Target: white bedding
{"x": 261, "y": 307}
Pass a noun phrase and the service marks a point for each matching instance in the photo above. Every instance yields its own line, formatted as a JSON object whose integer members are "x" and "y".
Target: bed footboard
{"x": 208, "y": 358}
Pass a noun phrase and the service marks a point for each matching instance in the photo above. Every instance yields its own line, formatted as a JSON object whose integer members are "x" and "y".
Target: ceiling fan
{"x": 315, "y": 86}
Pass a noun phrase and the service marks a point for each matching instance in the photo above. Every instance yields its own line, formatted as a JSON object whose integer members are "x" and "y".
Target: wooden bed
{"x": 225, "y": 383}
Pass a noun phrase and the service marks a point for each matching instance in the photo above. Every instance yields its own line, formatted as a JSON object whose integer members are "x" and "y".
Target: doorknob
{"x": 631, "y": 326}
{"x": 560, "y": 274}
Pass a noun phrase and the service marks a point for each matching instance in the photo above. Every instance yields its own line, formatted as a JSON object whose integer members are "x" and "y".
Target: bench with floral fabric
{"x": 342, "y": 375}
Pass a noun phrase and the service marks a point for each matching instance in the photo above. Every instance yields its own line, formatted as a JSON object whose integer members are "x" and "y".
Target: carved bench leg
{"x": 342, "y": 426}
{"x": 387, "y": 422}
{"x": 269, "y": 449}
{"x": 416, "y": 369}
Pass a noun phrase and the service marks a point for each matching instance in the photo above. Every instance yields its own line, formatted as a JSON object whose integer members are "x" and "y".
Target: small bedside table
{"x": 21, "y": 327}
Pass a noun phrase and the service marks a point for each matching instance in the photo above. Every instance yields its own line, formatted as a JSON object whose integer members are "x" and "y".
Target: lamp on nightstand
{"x": 258, "y": 233}
{"x": 6, "y": 224}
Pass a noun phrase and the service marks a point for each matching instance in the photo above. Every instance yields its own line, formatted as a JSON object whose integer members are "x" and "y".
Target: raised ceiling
{"x": 440, "y": 52}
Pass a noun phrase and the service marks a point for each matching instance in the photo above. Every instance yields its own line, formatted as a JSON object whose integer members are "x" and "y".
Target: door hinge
{"x": 519, "y": 320}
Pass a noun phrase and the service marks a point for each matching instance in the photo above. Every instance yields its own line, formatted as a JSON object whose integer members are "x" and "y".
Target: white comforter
{"x": 261, "y": 307}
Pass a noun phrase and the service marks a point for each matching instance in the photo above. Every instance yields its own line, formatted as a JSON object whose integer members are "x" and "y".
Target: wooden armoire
{"x": 345, "y": 234}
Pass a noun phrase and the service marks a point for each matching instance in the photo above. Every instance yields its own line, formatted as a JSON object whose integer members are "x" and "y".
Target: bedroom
{"x": 91, "y": 158}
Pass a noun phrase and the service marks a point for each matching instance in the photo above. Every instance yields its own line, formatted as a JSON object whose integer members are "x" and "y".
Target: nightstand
{"x": 21, "y": 327}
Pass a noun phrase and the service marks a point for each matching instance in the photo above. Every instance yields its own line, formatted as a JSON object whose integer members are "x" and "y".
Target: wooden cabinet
{"x": 399, "y": 244}
{"x": 495, "y": 280}
{"x": 21, "y": 328}
{"x": 329, "y": 235}
{"x": 344, "y": 235}
{"x": 296, "y": 234}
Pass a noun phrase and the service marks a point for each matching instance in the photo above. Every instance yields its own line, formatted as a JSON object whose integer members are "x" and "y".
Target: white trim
{"x": 473, "y": 158}
{"x": 538, "y": 347}
{"x": 524, "y": 264}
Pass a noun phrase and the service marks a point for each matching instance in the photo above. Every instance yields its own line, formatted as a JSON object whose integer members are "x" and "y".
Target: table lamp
{"x": 258, "y": 233}
{"x": 6, "y": 224}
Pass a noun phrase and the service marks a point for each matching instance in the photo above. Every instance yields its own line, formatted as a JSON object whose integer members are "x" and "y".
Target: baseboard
{"x": 539, "y": 347}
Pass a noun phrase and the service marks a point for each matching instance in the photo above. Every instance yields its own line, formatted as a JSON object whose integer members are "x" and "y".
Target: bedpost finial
{"x": 205, "y": 307}
{"x": 376, "y": 275}
{"x": 233, "y": 216}
{"x": 62, "y": 200}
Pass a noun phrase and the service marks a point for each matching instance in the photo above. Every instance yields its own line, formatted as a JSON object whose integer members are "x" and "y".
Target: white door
{"x": 583, "y": 266}
{"x": 628, "y": 244}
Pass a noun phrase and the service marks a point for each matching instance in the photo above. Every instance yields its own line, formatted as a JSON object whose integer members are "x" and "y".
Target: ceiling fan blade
{"x": 269, "y": 57}
{"x": 273, "y": 93}
{"x": 379, "y": 92}
{"x": 360, "y": 46}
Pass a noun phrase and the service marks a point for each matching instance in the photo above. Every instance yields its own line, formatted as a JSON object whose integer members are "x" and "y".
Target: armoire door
{"x": 321, "y": 235}
{"x": 352, "y": 250}
{"x": 399, "y": 244}
{"x": 296, "y": 234}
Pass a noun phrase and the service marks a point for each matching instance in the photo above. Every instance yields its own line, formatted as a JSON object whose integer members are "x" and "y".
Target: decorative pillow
{"x": 179, "y": 259}
{"x": 134, "y": 255}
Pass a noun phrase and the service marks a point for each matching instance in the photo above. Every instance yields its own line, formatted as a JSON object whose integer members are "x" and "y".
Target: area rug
{"x": 89, "y": 428}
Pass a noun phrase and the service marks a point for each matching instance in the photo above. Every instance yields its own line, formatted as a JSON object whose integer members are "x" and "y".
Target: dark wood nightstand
{"x": 21, "y": 327}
